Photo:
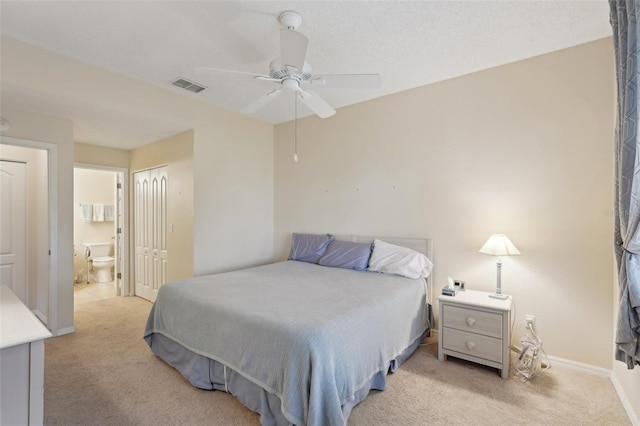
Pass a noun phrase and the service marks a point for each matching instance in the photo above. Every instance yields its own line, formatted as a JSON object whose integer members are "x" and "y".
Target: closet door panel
{"x": 151, "y": 228}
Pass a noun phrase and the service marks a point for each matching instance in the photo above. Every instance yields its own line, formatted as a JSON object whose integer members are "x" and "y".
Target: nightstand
{"x": 477, "y": 328}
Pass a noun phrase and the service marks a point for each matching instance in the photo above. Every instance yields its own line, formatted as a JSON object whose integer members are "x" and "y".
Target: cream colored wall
{"x": 176, "y": 153}
{"x": 523, "y": 149}
{"x": 100, "y": 155}
{"x": 90, "y": 187}
{"x": 233, "y": 205}
{"x": 56, "y": 133}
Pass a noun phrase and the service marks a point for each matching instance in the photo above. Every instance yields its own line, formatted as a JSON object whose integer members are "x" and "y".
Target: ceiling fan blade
{"x": 316, "y": 104}
{"x": 261, "y": 101}
{"x": 265, "y": 78}
{"x": 293, "y": 48}
{"x": 347, "y": 81}
{"x": 209, "y": 70}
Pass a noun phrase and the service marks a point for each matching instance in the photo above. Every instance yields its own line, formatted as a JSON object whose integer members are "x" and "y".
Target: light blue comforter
{"x": 312, "y": 335}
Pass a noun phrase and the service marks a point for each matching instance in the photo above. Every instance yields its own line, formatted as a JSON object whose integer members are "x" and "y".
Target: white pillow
{"x": 392, "y": 259}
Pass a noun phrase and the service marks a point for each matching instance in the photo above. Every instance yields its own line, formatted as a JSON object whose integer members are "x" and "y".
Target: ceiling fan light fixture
{"x": 291, "y": 84}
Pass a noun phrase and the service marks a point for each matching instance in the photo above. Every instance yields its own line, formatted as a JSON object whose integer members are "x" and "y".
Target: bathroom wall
{"x": 91, "y": 187}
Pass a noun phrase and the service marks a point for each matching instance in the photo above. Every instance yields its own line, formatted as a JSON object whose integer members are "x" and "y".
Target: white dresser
{"x": 21, "y": 362}
{"x": 475, "y": 327}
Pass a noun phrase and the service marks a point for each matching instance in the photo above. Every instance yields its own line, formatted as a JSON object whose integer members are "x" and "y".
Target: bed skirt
{"x": 205, "y": 373}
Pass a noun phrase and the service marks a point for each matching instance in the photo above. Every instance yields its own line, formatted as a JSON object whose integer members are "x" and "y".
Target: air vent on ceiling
{"x": 188, "y": 85}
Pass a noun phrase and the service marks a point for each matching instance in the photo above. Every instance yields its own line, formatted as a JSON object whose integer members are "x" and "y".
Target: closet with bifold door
{"x": 150, "y": 231}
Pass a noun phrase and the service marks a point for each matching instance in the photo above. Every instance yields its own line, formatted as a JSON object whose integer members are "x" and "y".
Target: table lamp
{"x": 499, "y": 245}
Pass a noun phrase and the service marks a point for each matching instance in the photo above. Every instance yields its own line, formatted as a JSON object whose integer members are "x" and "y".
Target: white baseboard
{"x": 588, "y": 368}
{"x": 626, "y": 403}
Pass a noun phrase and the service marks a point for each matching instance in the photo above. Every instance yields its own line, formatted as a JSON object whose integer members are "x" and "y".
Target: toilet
{"x": 99, "y": 254}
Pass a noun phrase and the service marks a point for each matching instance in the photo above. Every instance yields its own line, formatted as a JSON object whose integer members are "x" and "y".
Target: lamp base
{"x": 499, "y": 296}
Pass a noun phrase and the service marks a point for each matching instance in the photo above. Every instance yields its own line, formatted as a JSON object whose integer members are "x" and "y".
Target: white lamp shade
{"x": 499, "y": 245}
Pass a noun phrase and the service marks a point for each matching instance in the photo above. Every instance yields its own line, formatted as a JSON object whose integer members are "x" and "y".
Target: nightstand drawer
{"x": 487, "y": 323}
{"x": 473, "y": 344}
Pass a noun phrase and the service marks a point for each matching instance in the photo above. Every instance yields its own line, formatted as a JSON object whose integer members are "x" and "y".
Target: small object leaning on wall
{"x": 530, "y": 364}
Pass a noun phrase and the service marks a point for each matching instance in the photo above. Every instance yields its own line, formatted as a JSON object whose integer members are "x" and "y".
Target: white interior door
{"x": 13, "y": 227}
{"x": 150, "y": 231}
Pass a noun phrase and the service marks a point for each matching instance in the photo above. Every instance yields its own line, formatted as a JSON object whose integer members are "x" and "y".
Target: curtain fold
{"x": 626, "y": 33}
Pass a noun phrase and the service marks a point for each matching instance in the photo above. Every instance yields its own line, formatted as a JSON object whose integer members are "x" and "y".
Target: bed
{"x": 300, "y": 342}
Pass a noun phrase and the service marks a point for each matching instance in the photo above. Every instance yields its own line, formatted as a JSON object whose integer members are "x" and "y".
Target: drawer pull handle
{"x": 471, "y": 345}
{"x": 471, "y": 321}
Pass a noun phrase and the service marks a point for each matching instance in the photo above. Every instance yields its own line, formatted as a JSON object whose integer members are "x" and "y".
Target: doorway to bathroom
{"x": 100, "y": 233}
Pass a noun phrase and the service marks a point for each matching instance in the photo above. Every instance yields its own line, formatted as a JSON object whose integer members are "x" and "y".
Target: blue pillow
{"x": 347, "y": 254}
{"x": 308, "y": 247}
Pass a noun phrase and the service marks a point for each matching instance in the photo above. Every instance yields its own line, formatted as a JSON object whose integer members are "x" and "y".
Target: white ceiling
{"x": 409, "y": 43}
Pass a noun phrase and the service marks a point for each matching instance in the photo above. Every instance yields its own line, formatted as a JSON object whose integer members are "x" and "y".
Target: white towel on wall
{"x": 109, "y": 212}
{"x": 98, "y": 212}
{"x": 87, "y": 212}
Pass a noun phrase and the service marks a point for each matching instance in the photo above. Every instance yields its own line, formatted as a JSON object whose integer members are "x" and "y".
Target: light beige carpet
{"x": 104, "y": 374}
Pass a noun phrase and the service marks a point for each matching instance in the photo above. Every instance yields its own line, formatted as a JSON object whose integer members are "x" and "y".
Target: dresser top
{"x": 477, "y": 298}
{"x": 18, "y": 324}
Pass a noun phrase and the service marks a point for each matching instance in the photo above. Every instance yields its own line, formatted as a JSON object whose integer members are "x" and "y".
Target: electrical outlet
{"x": 530, "y": 319}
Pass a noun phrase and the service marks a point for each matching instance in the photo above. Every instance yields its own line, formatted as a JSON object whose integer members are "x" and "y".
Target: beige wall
{"x": 523, "y": 149}
{"x": 176, "y": 153}
{"x": 57, "y": 135}
{"x": 233, "y": 210}
{"x": 100, "y": 155}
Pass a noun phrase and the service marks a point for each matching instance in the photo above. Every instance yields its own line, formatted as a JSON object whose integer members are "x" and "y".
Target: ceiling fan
{"x": 292, "y": 72}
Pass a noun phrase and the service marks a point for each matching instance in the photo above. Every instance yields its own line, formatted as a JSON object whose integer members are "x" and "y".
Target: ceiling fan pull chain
{"x": 295, "y": 128}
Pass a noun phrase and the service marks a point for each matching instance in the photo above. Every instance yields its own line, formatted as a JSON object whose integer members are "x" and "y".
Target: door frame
{"x": 52, "y": 179}
{"x": 126, "y": 289}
